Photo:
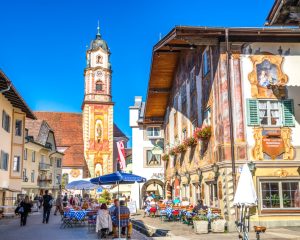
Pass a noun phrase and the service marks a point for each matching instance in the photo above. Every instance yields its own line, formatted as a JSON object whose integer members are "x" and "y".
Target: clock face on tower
{"x": 99, "y": 74}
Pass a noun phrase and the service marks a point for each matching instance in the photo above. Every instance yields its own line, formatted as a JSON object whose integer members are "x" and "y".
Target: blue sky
{"x": 43, "y": 43}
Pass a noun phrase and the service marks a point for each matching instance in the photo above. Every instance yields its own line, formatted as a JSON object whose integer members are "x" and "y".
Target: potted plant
{"x": 203, "y": 133}
{"x": 165, "y": 157}
{"x": 181, "y": 148}
{"x": 218, "y": 224}
{"x": 190, "y": 142}
{"x": 200, "y": 223}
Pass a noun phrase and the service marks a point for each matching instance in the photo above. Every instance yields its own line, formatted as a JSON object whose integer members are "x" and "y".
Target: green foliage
{"x": 105, "y": 197}
{"x": 200, "y": 218}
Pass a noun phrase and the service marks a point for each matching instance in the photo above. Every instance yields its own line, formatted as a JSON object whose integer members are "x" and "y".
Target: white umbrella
{"x": 245, "y": 197}
{"x": 245, "y": 193}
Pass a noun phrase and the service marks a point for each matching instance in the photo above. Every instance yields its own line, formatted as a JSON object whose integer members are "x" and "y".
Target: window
{"x": 42, "y": 158}
{"x": 99, "y": 59}
{"x": 99, "y": 86}
{"x": 192, "y": 81}
{"x": 153, "y": 131}
{"x": 16, "y": 164}
{"x": 24, "y": 174}
{"x": 183, "y": 100}
{"x": 25, "y": 154}
{"x": 184, "y": 134}
{"x": 194, "y": 105}
{"x": 153, "y": 159}
{"x": 213, "y": 194}
{"x": 33, "y": 156}
{"x": 270, "y": 113}
{"x": 207, "y": 117}
{"x": 58, "y": 162}
{"x": 5, "y": 121}
{"x": 206, "y": 62}
{"x": 32, "y": 176}
{"x": 58, "y": 179}
{"x": 18, "y": 128}
{"x": 4, "y": 161}
{"x": 280, "y": 194}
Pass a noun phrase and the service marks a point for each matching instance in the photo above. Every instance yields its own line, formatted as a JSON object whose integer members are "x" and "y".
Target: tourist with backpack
{"x": 47, "y": 204}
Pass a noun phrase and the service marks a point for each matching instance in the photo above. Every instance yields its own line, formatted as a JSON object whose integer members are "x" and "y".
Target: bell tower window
{"x": 99, "y": 86}
{"x": 99, "y": 59}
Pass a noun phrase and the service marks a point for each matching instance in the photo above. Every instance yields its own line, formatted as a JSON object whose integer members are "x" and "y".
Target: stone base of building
{"x": 231, "y": 227}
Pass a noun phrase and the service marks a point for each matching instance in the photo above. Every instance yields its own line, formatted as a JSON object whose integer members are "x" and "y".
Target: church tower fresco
{"x": 97, "y": 109}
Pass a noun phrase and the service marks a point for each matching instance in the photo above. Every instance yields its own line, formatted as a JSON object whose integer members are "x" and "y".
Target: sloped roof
{"x": 13, "y": 96}
{"x": 69, "y": 133}
{"x": 67, "y": 128}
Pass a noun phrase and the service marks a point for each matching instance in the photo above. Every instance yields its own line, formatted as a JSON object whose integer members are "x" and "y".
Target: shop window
{"x": 5, "y": 121}
{"x": 153, "y": 132}
{"x": 213, "y": 194}
{"x": 152, "y": 159}
{"x": 280, "y": 194}
{"x": 270, "y": 113}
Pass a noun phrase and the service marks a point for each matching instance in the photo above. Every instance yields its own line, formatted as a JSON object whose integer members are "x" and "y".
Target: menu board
{"x": 132, "y": 206}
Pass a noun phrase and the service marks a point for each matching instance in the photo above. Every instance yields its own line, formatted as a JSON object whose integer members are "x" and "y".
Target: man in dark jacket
{"x": 47, "y": 204}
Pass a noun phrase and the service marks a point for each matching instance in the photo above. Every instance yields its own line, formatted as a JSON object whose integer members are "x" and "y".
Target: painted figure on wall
{"x": 98, "y": 130}
{"x": 266, "y": 73}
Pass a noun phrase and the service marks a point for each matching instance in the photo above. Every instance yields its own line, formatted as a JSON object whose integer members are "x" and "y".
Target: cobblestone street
{"x": 35, "y": 230}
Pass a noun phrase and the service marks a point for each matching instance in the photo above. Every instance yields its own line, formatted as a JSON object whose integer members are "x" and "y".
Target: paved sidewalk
{"x": 177, "y": 230}
{"x": 35, "y": 230}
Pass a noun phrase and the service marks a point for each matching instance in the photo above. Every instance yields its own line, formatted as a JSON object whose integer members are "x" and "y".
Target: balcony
{"x": 44, "y": 167}
{"x": 44, "y": 184}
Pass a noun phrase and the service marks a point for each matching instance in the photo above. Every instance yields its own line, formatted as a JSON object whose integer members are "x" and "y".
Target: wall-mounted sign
{"x": 273, "y": 146}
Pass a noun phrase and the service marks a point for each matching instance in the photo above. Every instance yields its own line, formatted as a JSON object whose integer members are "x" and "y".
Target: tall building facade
{"x": 98, "y": 109}
{"x": 226, "y": 97}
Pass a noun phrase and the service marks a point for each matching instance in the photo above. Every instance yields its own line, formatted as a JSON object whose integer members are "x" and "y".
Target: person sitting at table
{"x": 104, "y": 222}
{"x": 147, "y": 208}
{"x": 85, "y": 205}
{"x": 185, "y": 202}
{"x": 122, "y": 220}
{"x": 199, "y": 206}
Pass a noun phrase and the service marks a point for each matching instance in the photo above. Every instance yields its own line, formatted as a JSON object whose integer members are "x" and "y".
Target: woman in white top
{"x": 103, "y": 219}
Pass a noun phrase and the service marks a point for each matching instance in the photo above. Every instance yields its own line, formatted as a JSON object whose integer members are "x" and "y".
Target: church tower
{"x": 98, "y": 109}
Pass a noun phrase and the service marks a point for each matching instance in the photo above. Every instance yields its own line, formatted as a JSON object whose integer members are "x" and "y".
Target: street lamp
{"x": 188, "y": 177}
{"x": 199, "y": 173}
{"x": 215, "y": 169}
{"x": 252, "y": 167}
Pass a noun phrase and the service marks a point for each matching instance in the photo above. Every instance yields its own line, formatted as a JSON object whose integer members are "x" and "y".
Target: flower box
{"x": 203, "y": 133}
{"x": 181, "y": 148}
{"x": 165, "y": 157}
{"x": 172, "y": 152}
{"x": 200, "y": 227}
{"x": 190, "y": 142}
{"x": 218, "y": 226}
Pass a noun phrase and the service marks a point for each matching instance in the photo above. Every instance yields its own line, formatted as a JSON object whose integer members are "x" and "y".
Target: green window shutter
{"x": 252, "y": 112}
{"x": 288, "y": 113}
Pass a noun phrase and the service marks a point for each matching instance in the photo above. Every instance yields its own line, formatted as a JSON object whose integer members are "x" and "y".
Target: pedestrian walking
{"x": 58, "y": 204}
{"x": 47, "y": 204}
{"x": 25, "y": 208}
{"x": 65, "y": 200}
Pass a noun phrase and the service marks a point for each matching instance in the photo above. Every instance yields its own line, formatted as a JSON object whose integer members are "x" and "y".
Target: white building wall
{"x": 290, "y": 67}
{"x": 139, "y": 146}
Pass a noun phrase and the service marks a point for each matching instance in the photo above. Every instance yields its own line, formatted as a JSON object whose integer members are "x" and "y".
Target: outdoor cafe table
{"x": 76, "y": 215}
